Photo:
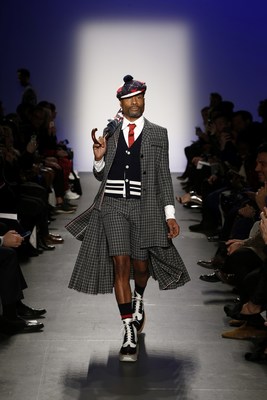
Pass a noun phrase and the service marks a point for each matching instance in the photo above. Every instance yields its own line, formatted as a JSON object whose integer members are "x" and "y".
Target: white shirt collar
{"x": 138, "y": 122}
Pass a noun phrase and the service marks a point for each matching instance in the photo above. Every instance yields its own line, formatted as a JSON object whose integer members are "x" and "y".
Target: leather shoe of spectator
{"x": 229, "y": 279}
{"x": 206, "y": 264}
{"x": 209, "y": 278}
{"x": 19, "y": 325}
{"x": 43, "y": 246}
{"x": 245, "y": 332}
{"x": 29, "y": 312}
{"x": 233, "y": 310}
{"x": 235, "y": 323}
{"x": 51, "y": 239}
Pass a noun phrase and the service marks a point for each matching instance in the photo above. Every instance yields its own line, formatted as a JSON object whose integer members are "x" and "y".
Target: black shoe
{"x": 192, "y": 204}
{"x": 233, "y": 310}
{"x": 33, "y": 252}
{"x": 257, "y": 356}
{"x": 138, "y": 311}
{"x": 182, "y": 177}
{"x": 203, "y": 228}
{"x": 28, "y": 312}
{"x": 65, "y": 208}
{"x": 129, "y": 348}
{"x": 43, "y": 246}
{"x": 206, "y": 264}
{"x": 18, "y": 325}
{"x": 215, "y": 238}
{"x": 229, "y": 279}
{"x": 209, "y": 278}
{"x": 196, "y": 228}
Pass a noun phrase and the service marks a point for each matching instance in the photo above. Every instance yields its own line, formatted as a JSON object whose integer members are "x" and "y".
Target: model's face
{"x": 133, "y": 107}
{"x": 261, "y": 166}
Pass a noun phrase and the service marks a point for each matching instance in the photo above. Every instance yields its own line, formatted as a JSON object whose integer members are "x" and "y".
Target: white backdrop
{"x": 159, "y": 54}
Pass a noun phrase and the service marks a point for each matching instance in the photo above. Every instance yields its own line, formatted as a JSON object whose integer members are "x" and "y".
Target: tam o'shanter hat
{"x": 130, "y": 88}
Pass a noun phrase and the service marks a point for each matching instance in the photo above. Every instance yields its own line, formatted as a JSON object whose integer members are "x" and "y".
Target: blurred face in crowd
{"x": 221, "y": 123}
{"x": 133, "y": 107}
{"x": 239, "y": 124}
{"x": 38, "y": 118}
{"x": 23, "y": 79}
{"x": 261, "y": 166}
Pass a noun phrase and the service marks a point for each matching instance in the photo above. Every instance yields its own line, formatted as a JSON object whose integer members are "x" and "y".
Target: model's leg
{"x": 129, "y": 349}
{"x": 122, "y": 279}
{"x": 141, "y": 276}
{"x": 11, "y": 285}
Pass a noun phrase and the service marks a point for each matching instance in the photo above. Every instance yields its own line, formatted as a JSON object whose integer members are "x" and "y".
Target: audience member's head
{"x": 23, "y": 76}
{"x": 262, "y": 109}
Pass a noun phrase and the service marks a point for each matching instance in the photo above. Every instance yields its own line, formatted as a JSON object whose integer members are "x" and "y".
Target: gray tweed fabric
{"x": 93, "y": 270}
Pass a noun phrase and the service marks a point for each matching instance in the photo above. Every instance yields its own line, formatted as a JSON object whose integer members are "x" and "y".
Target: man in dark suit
{"x": 138, "y": 204}
{"x": 16, "y": 316}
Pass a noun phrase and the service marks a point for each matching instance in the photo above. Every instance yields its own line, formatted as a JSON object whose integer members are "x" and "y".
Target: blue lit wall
{"x": 230, "y": 43}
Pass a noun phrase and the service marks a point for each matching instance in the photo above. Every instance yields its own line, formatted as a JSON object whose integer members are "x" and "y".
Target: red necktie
{"x": 131, "y": 134}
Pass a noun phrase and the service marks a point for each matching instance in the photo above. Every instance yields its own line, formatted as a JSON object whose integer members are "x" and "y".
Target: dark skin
{"x": 132, "y": 108}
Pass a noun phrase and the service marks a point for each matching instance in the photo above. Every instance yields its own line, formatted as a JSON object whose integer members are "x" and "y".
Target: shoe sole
{"x": 245, "y": 336}
{"x": 31, "y": 317}
{"x": 129, "y": 357}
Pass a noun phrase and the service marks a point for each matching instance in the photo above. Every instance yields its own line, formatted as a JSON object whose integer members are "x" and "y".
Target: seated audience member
{"x": 253, "y": 295}
{"x": 258, "y": 300}
{"x": 202, "y": 145}
{"x": 262, "y": 113}
{"x": 15, "y": 313}
{"x": 27, "y": 199}
{"x": 213, "y": 179}
{"x": 259, "y": 201}
{"x": 56, "y": 153}
{"x": 199, "y": 146}
{"x": 31, "y": 130}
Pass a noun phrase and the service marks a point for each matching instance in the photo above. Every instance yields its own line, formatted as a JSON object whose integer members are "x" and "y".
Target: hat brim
{"x": 131, "y": 94}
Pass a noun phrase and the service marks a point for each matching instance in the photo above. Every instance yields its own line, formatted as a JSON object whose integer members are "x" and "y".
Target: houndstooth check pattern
{"x": 93, "y": 271}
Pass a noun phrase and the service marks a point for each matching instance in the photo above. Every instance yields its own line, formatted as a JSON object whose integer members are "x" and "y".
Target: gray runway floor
{"x": 182, "y": 353}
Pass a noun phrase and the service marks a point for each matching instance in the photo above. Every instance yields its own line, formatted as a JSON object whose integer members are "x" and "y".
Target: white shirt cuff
{"x": 169, "y": 212}
{"x": 99, "y": 165}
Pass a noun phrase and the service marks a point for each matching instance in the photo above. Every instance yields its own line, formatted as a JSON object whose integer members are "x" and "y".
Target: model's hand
{"x": 173, "y": 227}
{"x": 12, "y": 239}
{"x": 100, "y": 148}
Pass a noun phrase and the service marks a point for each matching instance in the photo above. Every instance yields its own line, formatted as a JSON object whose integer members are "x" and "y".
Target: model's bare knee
{"x": 140, "y": 267}
{"x": 141, "y": 272}
{"x": 122, "y": 268}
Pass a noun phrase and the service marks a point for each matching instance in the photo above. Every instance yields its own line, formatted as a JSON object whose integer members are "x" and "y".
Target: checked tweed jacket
{"x": 93, "y": 270}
